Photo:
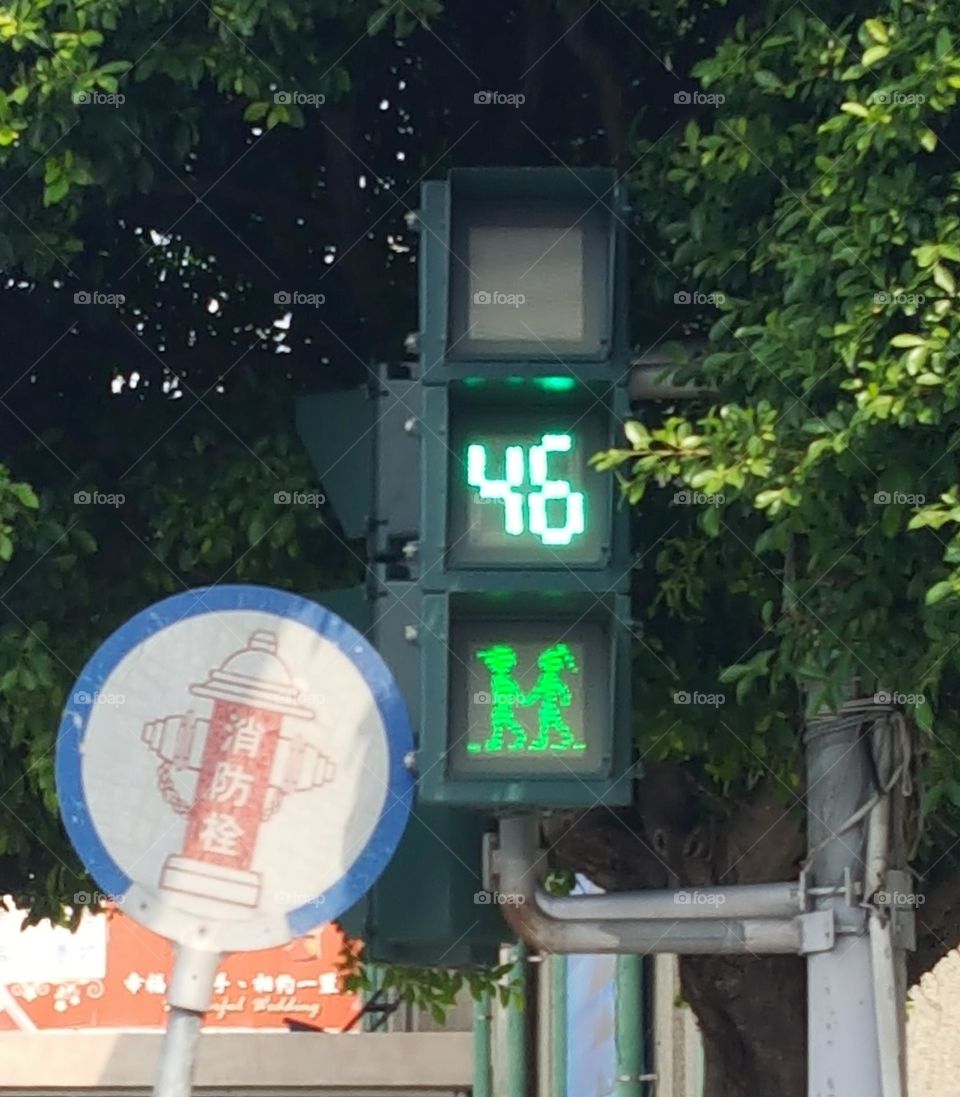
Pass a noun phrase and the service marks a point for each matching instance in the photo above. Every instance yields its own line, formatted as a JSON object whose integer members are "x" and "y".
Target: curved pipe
{"x": 685, "y": 904}
{"x": 522, "y": 911}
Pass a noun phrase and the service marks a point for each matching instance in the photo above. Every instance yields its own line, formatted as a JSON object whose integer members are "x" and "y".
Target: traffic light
{"x": 499, "y": 557}
{"x": 522, "y": 559}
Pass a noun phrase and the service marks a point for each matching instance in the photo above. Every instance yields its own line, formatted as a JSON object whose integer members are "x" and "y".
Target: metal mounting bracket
{"x": 817, "y": 931}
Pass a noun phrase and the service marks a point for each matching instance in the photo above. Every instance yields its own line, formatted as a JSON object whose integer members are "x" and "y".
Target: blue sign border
{"x": 375, "y": 855}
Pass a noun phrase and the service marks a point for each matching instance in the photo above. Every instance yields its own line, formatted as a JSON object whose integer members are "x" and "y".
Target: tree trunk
{"x": 752, "y": 1011}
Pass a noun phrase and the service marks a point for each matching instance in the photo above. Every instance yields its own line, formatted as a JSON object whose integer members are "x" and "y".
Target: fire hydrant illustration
{"x": 231, "y": 772}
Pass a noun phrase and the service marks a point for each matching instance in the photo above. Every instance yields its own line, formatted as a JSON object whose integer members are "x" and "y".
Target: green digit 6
{"x": 573, "y": 524}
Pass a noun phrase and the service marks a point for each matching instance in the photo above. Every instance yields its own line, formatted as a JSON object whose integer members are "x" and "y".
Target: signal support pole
{"x": 843, "y": 1052}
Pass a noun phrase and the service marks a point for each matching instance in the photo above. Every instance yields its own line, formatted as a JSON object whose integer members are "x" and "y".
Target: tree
{"x": 795, "y": 190}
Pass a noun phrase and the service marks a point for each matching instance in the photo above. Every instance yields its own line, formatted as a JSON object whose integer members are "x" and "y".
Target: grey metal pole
{"x": 677, "y": 904}
{"x": 843, "y": 1054}
{"x": 188, "y": 996}
{"x": 518, "y": 864}
{"x": 178, "y": 1054}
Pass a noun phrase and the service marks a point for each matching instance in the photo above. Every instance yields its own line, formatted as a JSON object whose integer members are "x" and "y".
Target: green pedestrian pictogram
{"x": 551, "y": 693}
{"x": 554, "y": 694}
{"x": 505, "y": 695}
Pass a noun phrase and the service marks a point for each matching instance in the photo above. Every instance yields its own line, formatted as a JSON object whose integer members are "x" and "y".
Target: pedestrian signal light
{"x": 522, "y": 491}
{"x": 529, "y": 697}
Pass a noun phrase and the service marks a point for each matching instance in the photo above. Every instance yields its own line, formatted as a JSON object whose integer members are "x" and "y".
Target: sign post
{"x": 232, "y": 767}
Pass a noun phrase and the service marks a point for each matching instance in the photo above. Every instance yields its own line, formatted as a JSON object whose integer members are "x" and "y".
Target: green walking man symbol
{"x": 550, "y": 691}
{"x": 505, "y": 695}
{"x": 554, "y": 694}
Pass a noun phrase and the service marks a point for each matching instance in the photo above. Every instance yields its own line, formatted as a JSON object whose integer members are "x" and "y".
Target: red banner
{"x": 298, "y": 982}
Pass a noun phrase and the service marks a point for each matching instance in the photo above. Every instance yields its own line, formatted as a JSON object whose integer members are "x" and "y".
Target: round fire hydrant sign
{"x": 231, "y": 767}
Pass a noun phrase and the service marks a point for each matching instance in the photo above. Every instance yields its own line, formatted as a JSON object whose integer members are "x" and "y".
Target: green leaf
{"x": 256, "y": 111}
{"x": 377, "y": 20}
{"x": 26, "y": 495}
{"x": 944, "y": 279}
{"x": 855, "y": 108}
{"x": 908, "y": 339}
{"x": 877, "y": 31}
{"x": 938, "y": 592}
{"x": 256, "y": 530}
{"x": 767, "y": 79}
{"x": 874, "y": 54}
{"x": 637, "y": 434}
{"x": 916, "y": 359}
{"x": 53, "y": 193}
{"x": 928, "y": 139}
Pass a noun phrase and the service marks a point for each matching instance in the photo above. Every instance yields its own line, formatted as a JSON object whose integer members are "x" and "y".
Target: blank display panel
{"x": 530, "y": 281}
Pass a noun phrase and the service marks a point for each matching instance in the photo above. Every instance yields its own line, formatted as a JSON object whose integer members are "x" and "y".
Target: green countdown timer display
{"x": 549, "y": 509}
{"x": 526, "y": 695}
{"x": 522, "y": 489}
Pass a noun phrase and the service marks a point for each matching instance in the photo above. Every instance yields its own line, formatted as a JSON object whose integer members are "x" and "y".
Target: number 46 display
{"x": 526, "y": 511}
